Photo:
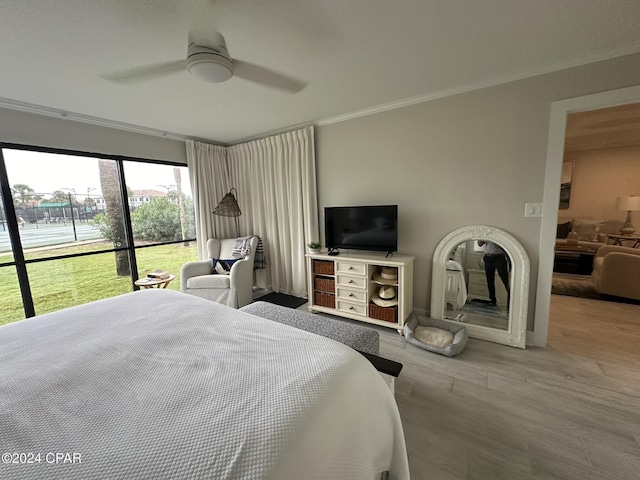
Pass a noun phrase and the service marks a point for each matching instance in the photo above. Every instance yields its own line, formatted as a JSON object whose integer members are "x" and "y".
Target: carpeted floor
{"x": 282, "y": 300}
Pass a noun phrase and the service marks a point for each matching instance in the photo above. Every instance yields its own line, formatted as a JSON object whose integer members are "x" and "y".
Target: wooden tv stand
{"x": 343, "y": 285}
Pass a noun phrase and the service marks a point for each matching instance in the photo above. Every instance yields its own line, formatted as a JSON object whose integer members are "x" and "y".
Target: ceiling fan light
{"x": 210, "y": 68}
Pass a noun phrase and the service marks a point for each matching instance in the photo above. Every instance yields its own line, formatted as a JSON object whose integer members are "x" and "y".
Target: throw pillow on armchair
{"x": 223, "y": 267}
{"x": 563, "y": 229}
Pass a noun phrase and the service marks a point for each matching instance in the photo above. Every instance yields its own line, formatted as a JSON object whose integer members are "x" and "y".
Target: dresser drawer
{"x": 352, "y": 295}
{"x": 353, "y": 308}
{"x": 352, "y": 268}
{"x": 352, "y": 282}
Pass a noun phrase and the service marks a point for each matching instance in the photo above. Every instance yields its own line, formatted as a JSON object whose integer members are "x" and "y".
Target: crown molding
{"x": 520, "y": 75}
{"x": 270, "y": 134}
{"x": 79, "y": 117}
{"x": 492, "y": 82}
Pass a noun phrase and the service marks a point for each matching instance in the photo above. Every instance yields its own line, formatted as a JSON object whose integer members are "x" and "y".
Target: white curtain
{"x": 276, "y": 182}
{"x": 209, "y": 183}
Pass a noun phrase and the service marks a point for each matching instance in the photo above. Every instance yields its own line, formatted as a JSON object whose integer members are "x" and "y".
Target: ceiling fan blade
{"x": 265, "y": 76}
{"x": 144, "y": 73}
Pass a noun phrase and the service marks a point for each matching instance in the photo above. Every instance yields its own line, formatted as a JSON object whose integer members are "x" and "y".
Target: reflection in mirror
{"x": 481, "y": 278}
{"x": 477, "y": 284}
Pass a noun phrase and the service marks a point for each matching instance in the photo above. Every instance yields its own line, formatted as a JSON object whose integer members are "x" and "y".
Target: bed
{"x": 160, "y": 384}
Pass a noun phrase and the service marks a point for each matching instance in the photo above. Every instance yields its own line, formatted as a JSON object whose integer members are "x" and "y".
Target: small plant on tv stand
{"x": 314, "y": 247}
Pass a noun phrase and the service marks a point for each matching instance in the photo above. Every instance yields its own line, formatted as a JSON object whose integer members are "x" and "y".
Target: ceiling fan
{"x": 209, "y": 63}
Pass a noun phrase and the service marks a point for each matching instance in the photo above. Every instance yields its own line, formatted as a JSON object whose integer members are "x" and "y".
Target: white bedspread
{"x": 158, "y": 384}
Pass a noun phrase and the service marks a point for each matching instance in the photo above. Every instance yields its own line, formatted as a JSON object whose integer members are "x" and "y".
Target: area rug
{"x": 581, "y": 286}
{"x": 574, "y": 286}
{"x": 282, "y": 299}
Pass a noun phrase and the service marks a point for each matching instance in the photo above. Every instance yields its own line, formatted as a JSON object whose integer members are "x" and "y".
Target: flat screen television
{"x": 372, "y": 227}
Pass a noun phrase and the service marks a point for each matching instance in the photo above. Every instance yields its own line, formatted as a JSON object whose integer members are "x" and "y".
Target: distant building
{"x": 100, "y": 203}
{"x": 140, "y": 197}
{"x": 137, "y": 198}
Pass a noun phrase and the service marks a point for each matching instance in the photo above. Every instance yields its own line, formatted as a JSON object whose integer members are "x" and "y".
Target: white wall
{"x": 474, "y": 158}
{"x": 37, "y": 130}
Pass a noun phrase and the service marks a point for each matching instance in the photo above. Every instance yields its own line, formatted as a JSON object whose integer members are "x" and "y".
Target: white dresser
{"x": 343, "y": 285}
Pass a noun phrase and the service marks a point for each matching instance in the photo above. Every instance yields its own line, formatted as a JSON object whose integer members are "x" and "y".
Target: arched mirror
{"x": 481, "y": 279}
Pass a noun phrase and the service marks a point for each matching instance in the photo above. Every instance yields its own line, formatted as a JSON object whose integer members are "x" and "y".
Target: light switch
{"x": 532, "y": 209}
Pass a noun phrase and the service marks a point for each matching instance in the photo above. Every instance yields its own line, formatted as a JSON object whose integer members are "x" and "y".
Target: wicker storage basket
{"x": 388, "y": 314}
{"x": 324, "y": 284}
{"x": 323, "y": 267}
{"x": 324, "y": 300}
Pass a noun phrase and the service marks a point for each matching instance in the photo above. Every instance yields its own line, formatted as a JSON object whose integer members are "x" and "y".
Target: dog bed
{"x": 456, "y": 346}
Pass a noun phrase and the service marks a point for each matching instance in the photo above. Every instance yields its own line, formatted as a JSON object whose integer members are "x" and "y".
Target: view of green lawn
{"x": 59, "y": 284}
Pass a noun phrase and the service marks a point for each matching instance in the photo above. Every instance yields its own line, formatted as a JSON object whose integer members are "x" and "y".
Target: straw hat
{"x": 386, "y": 275}
{"x": 385, "y": 296}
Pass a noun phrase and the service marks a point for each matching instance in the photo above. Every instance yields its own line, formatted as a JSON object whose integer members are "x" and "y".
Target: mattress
{"x": 159, "y": 384}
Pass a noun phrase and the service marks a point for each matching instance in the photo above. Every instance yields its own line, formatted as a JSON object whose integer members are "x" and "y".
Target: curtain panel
{"x": 209, "y": 183}
{"x": 276, "y": 182}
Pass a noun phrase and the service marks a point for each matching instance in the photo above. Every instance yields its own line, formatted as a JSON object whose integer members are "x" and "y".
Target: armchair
{"x": 616, "y": 271}
{"x": 235, "y": 289}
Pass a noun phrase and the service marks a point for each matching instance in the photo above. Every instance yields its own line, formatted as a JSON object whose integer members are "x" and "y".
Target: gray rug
{"x": 574, "y": 286}
{"x": 581, "y": 286}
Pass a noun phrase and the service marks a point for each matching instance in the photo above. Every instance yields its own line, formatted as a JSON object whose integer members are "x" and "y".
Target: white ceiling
{"x": 356, "y": 55}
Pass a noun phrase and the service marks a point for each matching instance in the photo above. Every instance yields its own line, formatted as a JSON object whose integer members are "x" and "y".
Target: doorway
{"x": 555, "y": 157}
{"x": 601, "y": 166}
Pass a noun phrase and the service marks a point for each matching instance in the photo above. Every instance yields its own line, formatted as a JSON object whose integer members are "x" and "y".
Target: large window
{"x": 86, "y": 227}
{"x": 10, "y": 298}
{"x": 64, "y": 282}
{"x": 164, "y": 212}
{"x": 6, "y": 254}
{"x": 65, "y": 204}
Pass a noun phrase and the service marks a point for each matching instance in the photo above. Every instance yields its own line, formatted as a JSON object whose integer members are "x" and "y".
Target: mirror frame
{"x": 516, "y": 334}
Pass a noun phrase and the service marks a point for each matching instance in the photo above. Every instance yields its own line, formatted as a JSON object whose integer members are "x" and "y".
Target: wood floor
{"x": 569, "y": 411}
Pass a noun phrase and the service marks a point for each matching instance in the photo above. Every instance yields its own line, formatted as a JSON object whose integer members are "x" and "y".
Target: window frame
{"x": 19, "y": 261}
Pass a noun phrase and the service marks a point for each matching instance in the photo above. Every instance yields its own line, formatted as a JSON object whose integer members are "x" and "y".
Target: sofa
{"x": 616, "y": 271}
{"x": 589, "y": 232}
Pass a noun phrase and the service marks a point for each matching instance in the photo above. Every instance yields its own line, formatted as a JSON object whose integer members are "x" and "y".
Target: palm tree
{"x": 110, "y": 186}
{"x": 177, "y": 175}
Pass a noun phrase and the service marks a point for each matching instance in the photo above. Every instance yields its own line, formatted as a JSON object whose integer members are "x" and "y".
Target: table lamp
{"x": 629, "y": 203}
